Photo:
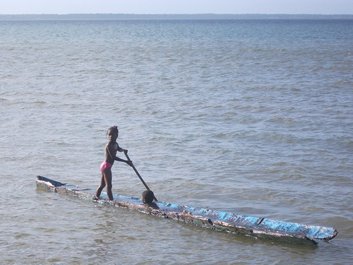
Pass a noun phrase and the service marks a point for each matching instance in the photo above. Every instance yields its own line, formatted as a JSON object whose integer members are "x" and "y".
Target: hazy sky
{"x": 177, "y": 6}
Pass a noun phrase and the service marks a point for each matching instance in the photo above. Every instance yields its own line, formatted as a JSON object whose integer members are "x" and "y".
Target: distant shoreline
{"x": 84, "y": 17}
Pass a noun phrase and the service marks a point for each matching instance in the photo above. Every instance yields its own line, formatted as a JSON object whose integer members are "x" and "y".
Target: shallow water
{"x": 253, "y": 117}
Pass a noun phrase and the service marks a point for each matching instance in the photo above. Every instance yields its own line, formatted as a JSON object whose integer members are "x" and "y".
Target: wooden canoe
{"x": 259, "y": 227}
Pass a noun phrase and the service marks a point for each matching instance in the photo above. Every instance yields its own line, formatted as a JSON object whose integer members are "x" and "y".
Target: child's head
{"x": 113, "y": 132}
{"x": 147, "y": 196}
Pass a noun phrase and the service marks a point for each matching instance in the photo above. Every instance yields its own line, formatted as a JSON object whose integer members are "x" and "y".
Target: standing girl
{"x": 110, "y": 156}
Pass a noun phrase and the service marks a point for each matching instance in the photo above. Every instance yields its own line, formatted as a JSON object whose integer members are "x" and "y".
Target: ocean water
{"x": 249, "y": 116}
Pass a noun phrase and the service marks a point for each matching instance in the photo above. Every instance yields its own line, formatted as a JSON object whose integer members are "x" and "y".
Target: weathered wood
{"x": 213, "y": 219}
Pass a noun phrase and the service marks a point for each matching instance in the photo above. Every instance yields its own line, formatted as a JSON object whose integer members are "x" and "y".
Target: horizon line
{"x": 196, "y": 16}
{"x": 179, "y": 14}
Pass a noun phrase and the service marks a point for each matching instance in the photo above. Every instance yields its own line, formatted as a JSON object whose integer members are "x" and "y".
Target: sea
{"x": 248, "y": 115}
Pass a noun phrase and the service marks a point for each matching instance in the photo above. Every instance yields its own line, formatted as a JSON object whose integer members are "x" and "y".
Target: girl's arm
{"x": 123, "y": 160}
{"x": 121, "y": 149}
{"x": 120, "y": 159}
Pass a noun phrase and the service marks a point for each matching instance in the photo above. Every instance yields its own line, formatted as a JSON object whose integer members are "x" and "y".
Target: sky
{"x": 176, "y": 6}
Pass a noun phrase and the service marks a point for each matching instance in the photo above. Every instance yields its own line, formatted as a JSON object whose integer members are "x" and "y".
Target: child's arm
{"x": 121, "y": 149}
{"x": 123, "y": 160}
{"x": 120, "y": 159}
{"x": 110, "y": 151}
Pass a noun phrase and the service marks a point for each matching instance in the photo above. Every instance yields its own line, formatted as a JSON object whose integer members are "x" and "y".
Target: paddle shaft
{"x": 138, "y": 174}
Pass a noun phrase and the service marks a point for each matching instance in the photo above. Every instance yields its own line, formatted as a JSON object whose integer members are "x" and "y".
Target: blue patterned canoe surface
{"x": 217, "y": 220}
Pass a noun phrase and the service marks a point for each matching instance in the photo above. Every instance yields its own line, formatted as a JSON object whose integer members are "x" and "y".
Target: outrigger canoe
{"x": 259, "y": 227}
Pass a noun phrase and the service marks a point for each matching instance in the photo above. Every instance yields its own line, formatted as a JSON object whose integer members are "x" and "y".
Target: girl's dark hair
{"x": 113, "y": 129}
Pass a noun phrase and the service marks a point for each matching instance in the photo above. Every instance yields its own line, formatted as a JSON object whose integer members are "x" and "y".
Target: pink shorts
{"x": 105, "y": 165}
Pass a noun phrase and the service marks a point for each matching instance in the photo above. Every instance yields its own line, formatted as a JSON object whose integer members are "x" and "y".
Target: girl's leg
{"x": 101, "y": 187}
{"x": 108, "y": 181}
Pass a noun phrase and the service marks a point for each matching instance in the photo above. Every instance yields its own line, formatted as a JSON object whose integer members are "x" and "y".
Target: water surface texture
{"x": 248, "y": 116}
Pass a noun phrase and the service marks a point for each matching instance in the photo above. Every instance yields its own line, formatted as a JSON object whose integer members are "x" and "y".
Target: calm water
{"x": 250, "y": 116}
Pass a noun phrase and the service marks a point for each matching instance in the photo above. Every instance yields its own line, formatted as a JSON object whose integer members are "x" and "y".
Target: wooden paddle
{"x": 138, "y": 174}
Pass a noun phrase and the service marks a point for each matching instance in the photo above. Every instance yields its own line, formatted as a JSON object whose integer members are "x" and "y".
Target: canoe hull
{"x": 212, "y": 219}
